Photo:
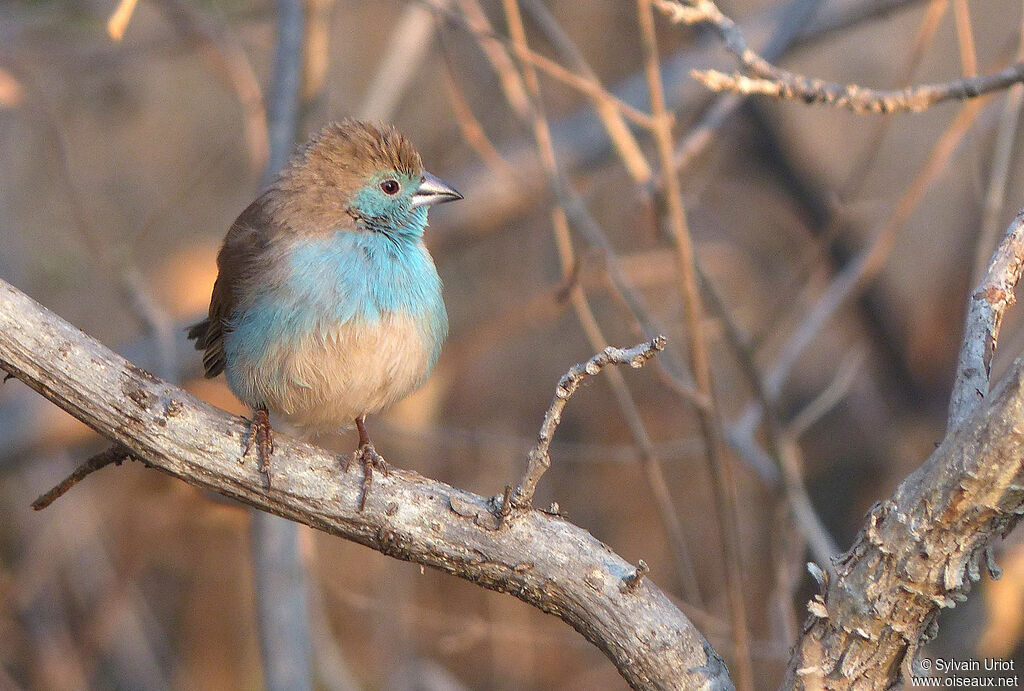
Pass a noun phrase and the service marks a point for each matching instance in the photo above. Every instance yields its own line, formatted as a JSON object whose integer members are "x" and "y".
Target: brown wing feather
{"x": 243, "y": 244}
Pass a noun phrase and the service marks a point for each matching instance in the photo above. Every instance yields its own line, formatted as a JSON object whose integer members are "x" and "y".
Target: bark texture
{"x": 542, "y": 559}
{"x": 919, "y": 551}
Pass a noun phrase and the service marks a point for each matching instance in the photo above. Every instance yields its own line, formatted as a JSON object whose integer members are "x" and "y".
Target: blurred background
{"x": 123, "y": 163}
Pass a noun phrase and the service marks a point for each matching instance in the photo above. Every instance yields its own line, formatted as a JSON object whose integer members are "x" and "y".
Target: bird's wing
{"x": 244, "y": 243}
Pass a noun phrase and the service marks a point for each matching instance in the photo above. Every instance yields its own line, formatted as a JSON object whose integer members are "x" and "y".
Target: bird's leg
{"x": 261, "y": 433}
{"x": 369, "y": 458}
{"x": 364, "y": 438}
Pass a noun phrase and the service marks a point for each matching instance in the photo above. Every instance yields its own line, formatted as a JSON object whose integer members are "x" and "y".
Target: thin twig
{"x": 760, "y": 76}
{"x": 1002, "y": 154}
{"x": 472, "y": 131}
{"x": 788, "y": 548}
{"x": 475, "y": 20}
{"x": 787, "y": 29}
{"x": 477, "y": 24}
{"x": 827, "y": 398}
{"x": 622, "y": 138}
{"x": 859, "y": 99}
{"x": 217, "y": 44}
{"x": 649, "y": 456}
{"x": 401, "y": 59}
{"x": 116, "y": 454}
{"x": 539, "y": 459}
{"x": 965, "y": 38}
{"x": 625, "y": 289}
{"x": 722, "y": 483}
{"x": 923, "y": 39}
{"x": 627, "y": 405}
{"x": 589, "y": 87}
{"x": 118, "y": 21}
{"x": 782, "y": 451}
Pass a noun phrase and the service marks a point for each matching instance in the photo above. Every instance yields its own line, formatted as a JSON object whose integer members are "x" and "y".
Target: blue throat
{"x": 344, "y": 277}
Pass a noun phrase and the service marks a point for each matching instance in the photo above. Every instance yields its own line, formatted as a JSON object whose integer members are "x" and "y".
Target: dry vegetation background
{"x": 123, "y": 164}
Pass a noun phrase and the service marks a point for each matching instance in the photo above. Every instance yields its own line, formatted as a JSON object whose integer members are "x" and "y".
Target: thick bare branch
{"x": 543, "y": 560}
{"x": 921, "y": 550}
{"x": 918, "y": 553}
{"x": 984, "y": 317}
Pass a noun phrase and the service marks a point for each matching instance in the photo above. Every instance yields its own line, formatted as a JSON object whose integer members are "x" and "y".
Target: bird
{"x": 327, "y": 305}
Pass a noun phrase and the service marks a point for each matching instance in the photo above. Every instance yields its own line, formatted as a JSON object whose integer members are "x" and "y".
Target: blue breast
{"x": 332, "y": 281}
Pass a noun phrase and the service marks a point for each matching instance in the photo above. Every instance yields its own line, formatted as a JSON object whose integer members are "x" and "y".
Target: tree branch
{"x": 759, "y": 76}
{"x": 984, "y": 317}
{"x": 921, "y": 550}
{"x": 116, "y": 454}
{"x": 542, "y": 559}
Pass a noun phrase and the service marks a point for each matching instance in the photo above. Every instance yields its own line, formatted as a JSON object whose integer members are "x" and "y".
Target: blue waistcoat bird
{"x": 327, "y": 306}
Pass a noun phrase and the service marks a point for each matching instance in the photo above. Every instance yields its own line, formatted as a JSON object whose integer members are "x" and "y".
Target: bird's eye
{"x": 389, "y": 186}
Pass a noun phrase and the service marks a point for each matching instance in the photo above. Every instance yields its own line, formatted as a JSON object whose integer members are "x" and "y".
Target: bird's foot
{"x": 262, "y": 435}
{"x": 369, "y": 459}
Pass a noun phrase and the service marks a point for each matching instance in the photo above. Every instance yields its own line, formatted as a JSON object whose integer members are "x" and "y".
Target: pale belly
{"x": 324, "y": 381}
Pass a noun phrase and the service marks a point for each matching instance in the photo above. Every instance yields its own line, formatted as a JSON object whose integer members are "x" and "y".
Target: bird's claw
{"x": 369, "y": 459}
{"x": 262, "y": 435}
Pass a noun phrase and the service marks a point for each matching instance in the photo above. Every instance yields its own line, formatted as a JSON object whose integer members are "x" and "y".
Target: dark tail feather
{"x": 198, "y": 332}
{"x": 210, "y": 339}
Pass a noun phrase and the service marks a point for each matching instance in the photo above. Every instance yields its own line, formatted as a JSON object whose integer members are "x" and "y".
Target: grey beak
{"x": 433, "y": 190}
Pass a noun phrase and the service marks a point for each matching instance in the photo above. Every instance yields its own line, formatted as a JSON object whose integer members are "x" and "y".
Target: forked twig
{"x": 539, "y": 459}
{"x": 627, "y": 404}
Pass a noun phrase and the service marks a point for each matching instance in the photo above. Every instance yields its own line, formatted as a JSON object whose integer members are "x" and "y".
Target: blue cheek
{"x": 372, "y": 203}
{"x": 382, "y": 210}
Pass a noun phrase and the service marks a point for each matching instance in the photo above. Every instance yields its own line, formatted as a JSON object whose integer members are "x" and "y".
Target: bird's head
{"x": 360, "y": 177}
